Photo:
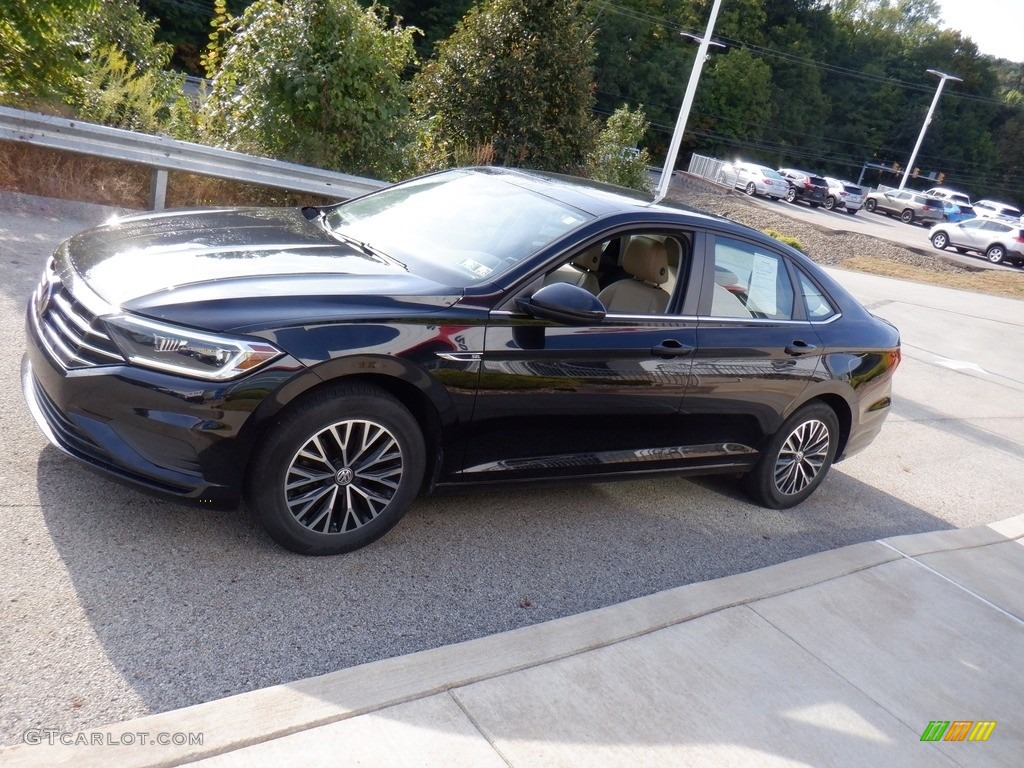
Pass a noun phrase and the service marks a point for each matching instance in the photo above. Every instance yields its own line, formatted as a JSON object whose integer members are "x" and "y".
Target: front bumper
{"x": 168, "y": 434}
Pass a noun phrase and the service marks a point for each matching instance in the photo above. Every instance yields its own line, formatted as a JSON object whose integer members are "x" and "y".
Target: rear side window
{"x": 750, "y": 282}
{"x": 818, "y": 306}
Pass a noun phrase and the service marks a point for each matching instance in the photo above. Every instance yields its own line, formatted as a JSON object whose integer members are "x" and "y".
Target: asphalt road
{"x": 115, "y": 604}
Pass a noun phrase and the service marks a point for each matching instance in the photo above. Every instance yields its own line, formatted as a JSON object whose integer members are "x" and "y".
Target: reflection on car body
{"x": 471, "y": 327}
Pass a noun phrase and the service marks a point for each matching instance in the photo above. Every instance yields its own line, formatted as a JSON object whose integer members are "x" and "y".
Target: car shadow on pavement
{"x": 191, "y": 604}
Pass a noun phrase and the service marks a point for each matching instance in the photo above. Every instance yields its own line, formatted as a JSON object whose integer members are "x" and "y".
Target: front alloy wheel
{"x": 940, "y": 240}
{"x": 791, "y": 195}
{"x": 870, "y": 206}
{"x": 337, "y": 471}
{"x": 796, "y": 458}
{"x": 751, "y": 189}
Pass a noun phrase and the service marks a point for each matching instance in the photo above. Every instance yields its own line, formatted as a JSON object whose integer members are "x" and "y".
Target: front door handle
{"x": 799, "y": 347}
{"x": 671, "y": 348}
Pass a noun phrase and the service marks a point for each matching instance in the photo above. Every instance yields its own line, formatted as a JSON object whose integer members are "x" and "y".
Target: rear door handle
{"x": 671, "y": 348}
{"x": 799, "y": 347}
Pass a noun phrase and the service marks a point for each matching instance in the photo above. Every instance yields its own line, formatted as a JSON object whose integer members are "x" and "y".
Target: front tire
{"x": 870, "y": 206}
{"x": 996, "y": 254}
{"x": 940, "y": 240}
{"x": 337, "y": 471}
{"x": 796, "y": 458}
{"x": 791, "y": 195}
{"x": 751, "y": 189}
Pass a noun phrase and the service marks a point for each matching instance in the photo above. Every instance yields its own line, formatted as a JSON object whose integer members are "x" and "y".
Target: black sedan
{"x": 477, "y": 326}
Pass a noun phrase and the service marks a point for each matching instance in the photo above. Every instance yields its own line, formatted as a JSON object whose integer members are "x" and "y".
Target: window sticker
{"x": 763, "y": 283}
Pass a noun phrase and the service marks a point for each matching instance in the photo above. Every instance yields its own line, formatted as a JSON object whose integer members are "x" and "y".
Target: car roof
{"x": 594, "y": 197}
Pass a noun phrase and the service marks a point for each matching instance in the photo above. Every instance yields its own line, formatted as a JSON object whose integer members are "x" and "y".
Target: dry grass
{"x": 52, "y": 173}
{"x": 995, "y": 282}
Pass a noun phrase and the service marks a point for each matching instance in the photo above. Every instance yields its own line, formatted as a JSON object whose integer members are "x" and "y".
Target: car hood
{"x": 158, "y": 264}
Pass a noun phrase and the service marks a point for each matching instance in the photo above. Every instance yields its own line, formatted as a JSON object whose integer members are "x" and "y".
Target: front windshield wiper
{"x": 364, "y": 247}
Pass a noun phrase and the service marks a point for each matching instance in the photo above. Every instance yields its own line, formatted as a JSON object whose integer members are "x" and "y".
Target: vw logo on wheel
{"x": 344, "y": 476}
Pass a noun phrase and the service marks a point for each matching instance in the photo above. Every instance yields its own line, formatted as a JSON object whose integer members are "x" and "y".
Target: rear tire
{"x": 995, "y": 254}
{"x": 830, "y": 203}
{"x": 796, "y": 458}
{"x": 791, "y": 195}
{"x": 907, "y": 217}
{"x": 337, "y": 471}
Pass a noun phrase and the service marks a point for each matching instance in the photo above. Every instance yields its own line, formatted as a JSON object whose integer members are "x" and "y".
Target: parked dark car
{"x": 912, "y": 207}
{"x": 471, "y": 327}
{"x": 806, "y": 187}
{"x": 996, "y": 240}
{"x": 843, "y": 195}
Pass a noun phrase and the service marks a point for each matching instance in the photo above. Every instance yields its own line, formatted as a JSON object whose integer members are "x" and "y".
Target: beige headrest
{"x": 590, "y": 259}
{"x": 646, "y": 260}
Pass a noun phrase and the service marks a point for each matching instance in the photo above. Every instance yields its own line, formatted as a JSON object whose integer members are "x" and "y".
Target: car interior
{"x": 631, "y": 274}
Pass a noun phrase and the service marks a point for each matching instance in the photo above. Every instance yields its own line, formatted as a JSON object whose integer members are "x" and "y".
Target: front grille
{"x": 73, "y": 335}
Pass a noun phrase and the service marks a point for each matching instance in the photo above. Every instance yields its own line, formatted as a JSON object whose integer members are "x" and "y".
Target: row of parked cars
{"x": 793, "y": 185}
{"x": 989, "y": 228}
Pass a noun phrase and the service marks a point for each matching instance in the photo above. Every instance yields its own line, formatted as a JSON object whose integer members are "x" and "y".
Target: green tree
{"x": 316, "y": 82}
{"x": 512, "y": 86}
{"x": 617, "y": 157}
{"x": 39, "y": 57}
{"x": 123, "y": 81}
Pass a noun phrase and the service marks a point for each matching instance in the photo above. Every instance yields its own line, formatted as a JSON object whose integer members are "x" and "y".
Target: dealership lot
{"x": 116, "y": 604}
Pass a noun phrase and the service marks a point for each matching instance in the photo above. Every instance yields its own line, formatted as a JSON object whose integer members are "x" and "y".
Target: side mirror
{"x": 563, "y": 303}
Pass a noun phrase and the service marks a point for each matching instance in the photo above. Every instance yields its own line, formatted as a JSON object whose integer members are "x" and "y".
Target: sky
{"x": 995, "y": 26}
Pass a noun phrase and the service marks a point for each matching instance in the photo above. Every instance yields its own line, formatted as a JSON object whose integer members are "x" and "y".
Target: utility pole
{"x": 684, "y": 110}
{"x": 927, "y": 121}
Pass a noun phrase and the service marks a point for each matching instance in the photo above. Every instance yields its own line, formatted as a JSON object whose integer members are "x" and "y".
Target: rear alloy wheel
{"x": 995, "y": 254}
{"x": 870, "y": 206}
{"x": 940, "y": 240}
{"x": 751, "y": 189}
{"x": 830, "y": 203}
{"x": 796, "y": 459}
{"x": 338, "y": 471}
{"x": 907, "y": 217}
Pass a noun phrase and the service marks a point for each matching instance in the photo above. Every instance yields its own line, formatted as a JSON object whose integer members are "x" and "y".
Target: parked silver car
{"x": 909, "y": 205}
{"x": 843, "y": 195}
{"x": 996, "y": 240}
{"x": 754, "y": 179}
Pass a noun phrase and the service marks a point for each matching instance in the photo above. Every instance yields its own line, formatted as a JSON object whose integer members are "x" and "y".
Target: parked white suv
{"x": 945, "y": 193}
{"x": 990, "y": 209}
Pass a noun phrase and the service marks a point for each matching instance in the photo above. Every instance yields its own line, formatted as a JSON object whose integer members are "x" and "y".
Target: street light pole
{"x": 927, "y": 120}
{"x": 684, "y": 110}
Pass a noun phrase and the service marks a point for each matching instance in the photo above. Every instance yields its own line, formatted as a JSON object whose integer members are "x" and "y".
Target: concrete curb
{"x": 263, "y": 715}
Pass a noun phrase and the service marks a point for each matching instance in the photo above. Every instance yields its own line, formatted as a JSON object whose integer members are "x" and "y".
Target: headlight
{"x": 187, "y": 352}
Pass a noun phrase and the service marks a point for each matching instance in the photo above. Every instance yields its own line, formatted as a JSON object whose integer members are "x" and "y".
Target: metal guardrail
{"x": 164, "y": 154}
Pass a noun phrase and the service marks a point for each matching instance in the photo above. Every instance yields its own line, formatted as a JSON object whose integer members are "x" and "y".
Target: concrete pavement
{"x": 842, "y": 658}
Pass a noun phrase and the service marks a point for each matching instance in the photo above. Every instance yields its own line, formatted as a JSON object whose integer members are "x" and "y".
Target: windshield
{"x": 467, "y": 225}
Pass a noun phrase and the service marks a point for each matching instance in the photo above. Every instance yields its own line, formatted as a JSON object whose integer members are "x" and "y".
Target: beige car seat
{"x": 647, "y": 261}
{"x": 581, "y": 271}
